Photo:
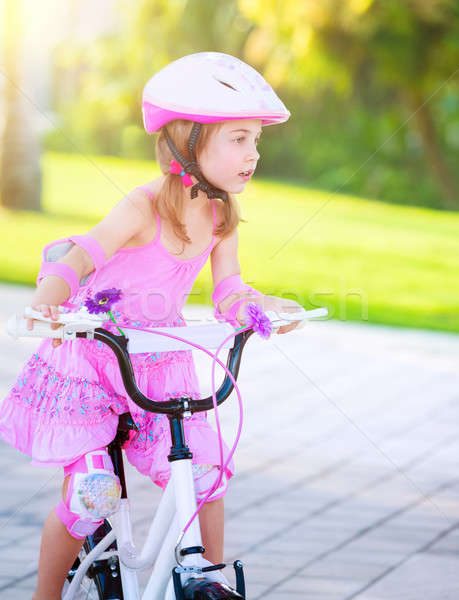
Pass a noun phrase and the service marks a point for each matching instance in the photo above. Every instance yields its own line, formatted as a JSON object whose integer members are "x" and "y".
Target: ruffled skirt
{"x": 66, "y": 402}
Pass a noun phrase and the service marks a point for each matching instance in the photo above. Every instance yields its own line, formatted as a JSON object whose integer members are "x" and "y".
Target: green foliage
{"x": 375, "y": 111}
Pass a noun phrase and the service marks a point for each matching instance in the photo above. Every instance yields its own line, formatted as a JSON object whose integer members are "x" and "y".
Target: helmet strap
{"x": 191, "y": 166}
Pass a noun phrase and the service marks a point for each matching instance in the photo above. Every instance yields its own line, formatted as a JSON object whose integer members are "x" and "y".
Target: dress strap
{"x": 147, "y": 190}
{"x": 158, "y": 220}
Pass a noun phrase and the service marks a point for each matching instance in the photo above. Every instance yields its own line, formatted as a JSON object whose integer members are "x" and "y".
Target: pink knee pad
{"x": 93, "y": 494}
{"x": 205, "y": 476}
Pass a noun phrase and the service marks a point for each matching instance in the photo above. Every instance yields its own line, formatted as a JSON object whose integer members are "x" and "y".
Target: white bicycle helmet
{"x": 207, "y": 87}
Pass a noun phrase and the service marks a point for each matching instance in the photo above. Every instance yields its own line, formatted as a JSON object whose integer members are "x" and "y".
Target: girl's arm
{"x": 224, "y": 263}
{"x": 126, "y": 220}
{"x": 123, "y": 222}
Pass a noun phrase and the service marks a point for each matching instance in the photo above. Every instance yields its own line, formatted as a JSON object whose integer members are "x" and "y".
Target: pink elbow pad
{"x": 228, "y": 286}
{"x": 55, "y": 250}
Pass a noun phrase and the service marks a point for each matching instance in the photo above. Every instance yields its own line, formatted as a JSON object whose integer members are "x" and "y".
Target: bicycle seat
{"x": 126, "y": 423}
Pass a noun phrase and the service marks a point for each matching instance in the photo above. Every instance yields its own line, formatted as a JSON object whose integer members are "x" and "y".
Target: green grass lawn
{"x": 364, "y": 260}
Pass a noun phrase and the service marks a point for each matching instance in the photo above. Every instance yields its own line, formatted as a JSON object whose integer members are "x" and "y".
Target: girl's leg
{"x": 211, "y": 521}
{"x": 57, "y": 552}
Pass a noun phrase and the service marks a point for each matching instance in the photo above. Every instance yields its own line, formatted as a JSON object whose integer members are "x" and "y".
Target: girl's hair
{"x": 169, "y": 200}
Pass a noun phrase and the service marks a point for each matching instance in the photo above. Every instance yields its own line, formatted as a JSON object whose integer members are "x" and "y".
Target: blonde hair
{"x": 169, "y": 200}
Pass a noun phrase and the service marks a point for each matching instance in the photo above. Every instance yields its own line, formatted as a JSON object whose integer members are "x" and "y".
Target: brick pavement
{"x": 347, "y": 483}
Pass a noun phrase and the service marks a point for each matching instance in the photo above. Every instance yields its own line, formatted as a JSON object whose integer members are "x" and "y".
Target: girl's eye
{"x": 243, "y": 138}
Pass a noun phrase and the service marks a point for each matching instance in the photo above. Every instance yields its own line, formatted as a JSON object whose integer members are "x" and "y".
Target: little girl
{"x": 63, "y": 410}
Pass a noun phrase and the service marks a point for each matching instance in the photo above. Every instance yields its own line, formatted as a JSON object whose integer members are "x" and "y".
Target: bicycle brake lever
{"x": 69, "y": 330}
{"x": 286, "y": 318}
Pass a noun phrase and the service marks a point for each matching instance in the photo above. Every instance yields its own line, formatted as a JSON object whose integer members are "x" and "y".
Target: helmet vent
{"x": 227, "y": 84}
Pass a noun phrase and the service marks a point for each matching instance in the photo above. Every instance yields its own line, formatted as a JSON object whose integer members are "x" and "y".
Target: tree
{"x": 400, "y": 51}
{"x": 20, "y": 173}
{"x": 111, "y": 72}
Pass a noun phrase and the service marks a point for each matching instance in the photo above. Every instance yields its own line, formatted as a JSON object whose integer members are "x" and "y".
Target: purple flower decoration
{"x": 103, "y": 301}
{"x": 256, "y": 318}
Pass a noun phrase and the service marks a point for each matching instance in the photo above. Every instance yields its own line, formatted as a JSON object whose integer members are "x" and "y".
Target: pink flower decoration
{"x": 103, "y": 301}
{"x": 256, "y": 318}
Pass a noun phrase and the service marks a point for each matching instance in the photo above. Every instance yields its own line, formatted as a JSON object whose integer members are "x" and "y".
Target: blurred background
{"x": 354, "y": 205}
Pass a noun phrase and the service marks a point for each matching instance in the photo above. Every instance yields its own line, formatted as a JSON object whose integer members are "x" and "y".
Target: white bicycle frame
{"x": 161, "y": 548}
{"x": 177, "y": 505}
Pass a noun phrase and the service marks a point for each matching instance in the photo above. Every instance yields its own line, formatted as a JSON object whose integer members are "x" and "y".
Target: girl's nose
{"x": 254, "y": 155}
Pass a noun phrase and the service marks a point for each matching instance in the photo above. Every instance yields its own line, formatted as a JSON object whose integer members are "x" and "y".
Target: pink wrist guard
{"x": 55, "y": 250}
{"x": 228, "y": 286}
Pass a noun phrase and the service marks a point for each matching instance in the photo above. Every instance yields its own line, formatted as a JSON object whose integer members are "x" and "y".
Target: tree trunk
{"x": 20, "y": 172}
{"x": 432, "y": 151}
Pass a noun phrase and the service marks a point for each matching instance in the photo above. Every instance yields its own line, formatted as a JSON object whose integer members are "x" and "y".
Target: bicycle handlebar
{"x": 85, "y": 325}
{"x": 118, "y": 344}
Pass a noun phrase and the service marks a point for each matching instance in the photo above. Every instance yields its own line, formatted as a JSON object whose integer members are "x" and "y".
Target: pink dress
{"x": 66, "y": 400}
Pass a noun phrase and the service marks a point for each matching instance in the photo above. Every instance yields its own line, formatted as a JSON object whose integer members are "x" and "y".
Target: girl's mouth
{"x": 246, "y": 175}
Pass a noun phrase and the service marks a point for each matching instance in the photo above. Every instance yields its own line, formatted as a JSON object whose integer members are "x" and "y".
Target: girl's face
{"x": 232, "y": 150}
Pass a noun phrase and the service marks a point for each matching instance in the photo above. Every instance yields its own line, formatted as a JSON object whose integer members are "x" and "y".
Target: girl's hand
{"x": 47, "y": 310}
{"x": 278, "y": 305}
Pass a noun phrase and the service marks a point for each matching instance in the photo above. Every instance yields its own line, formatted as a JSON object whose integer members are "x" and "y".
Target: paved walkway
{"x": 347, "y": 481}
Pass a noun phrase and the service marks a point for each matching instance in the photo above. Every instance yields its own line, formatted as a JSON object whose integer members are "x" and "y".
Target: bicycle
{"x": 106, "y": 568}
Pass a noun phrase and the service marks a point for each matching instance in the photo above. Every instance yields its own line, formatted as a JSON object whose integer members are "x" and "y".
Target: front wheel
{"x": 200, "y": 588}
{"x": 102, "y": 580}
